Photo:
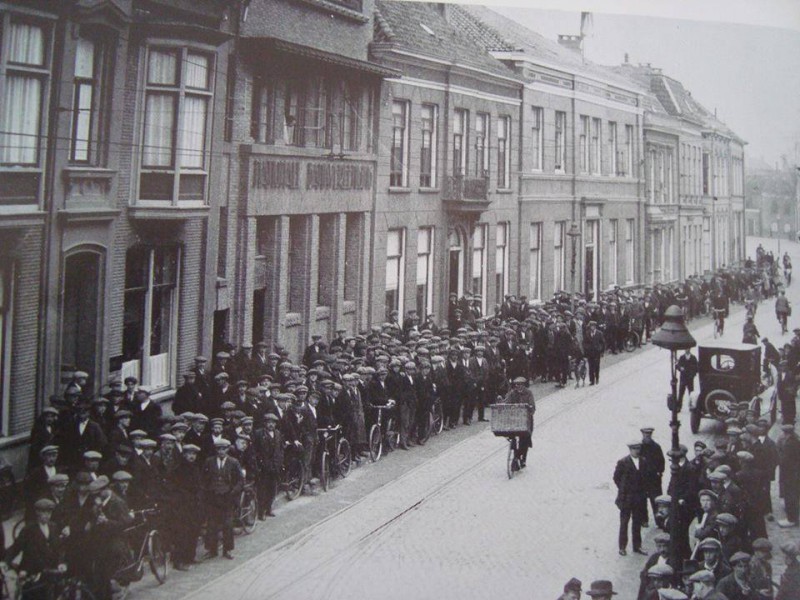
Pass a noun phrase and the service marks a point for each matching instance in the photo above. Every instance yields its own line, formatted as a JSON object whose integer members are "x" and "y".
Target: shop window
{"x": 395, "y": 271}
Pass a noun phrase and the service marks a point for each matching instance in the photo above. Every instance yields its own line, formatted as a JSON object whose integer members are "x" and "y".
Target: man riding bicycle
{"x": 782, "y": 310}
{"x": 520, "y": 394}
{"x": 720, "y": 308}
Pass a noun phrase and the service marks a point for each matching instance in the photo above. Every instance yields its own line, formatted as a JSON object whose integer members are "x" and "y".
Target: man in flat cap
{"x": 188, "y": 397}
{"x": 269, "y": 455}
{"x": 659, "y": 557}
{"x": 222, "y": 483}
{"x": 38, "y": 542}
{"x": 737, "y": 585}
{"x": 146, "y": 413}
{"x": 407, "y": 402}
{"x": 631, "y": 497}
{"x": 43, "y": 433}
{"x": 654, "y": 463}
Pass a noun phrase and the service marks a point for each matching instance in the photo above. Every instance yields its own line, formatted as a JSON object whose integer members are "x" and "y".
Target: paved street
{"x": 444, "y": 521}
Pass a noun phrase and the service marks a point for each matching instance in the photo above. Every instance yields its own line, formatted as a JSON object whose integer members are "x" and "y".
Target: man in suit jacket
{"x": 455, "y": 375}
{"x": 43, "y": 434}
{"x": 188, "y": 397}
{"x": 38, "y": 542}
{"x": 479, "y": 367}
{"x": 631, "y": 498}
{"x": 407, "y": 402}
{"x": 269, "y": 454}
{"x": 36, "y": 482}
{"x": 80, "y": 435}
{"x": 146, "y": 414}
{"x": 222, "y": 483}
{"x": 313, "y": 351}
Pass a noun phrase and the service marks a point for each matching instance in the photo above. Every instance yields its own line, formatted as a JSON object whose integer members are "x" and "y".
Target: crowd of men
{"x": 95, "y": 458}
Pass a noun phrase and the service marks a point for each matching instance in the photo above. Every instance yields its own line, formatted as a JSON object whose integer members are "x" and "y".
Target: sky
{"x": 749, "y": 73}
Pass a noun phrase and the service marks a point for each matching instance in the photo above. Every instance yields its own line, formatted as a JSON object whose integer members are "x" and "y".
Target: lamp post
{"x": 673, "y": 336}
{"x": 574, "y": 233}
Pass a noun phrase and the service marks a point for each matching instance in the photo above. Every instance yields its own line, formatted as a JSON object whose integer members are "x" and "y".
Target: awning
{"x": 284, "y": 47}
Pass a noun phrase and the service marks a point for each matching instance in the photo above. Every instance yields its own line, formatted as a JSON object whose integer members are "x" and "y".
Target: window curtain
{"x": 26, "y": 44}
{"x": 193, "y": 132}
{"x": 19, "y": 120}
{"x": 158, "y": 130}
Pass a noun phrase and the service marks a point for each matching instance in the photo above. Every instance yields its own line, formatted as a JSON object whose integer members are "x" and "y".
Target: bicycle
{"x": 719, "y": 322}
{"x": 512, "y": 462}
{"x": 151, "y": 550}
{"x": 247, "y": 508}
{"x": 339, "y": 462}
{"x": 378, "y": 435}
{"x": 294, "y": 473}
{"x": 631, "y": 340}
{"x": 54, "y": 583}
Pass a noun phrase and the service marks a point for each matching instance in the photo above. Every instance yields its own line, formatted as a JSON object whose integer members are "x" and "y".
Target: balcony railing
{"x": 460, "y": 188}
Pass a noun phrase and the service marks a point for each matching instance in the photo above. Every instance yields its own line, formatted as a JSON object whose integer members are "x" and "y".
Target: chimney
{"x": 626, "y": 58}
{"x": 571, "y": 42}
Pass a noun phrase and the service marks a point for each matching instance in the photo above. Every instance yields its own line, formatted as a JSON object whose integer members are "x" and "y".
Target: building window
{"x": 559, "y": 256}
{"x": 596, "y": 156}
{"x": 399, "y": 174}
{"x": 6, "y": 317}
{"x": 669, "y": 190}
{"x": 706, "y": 173}
{"x": 613, "y": 151}
{"x": 176, "y": 121}
{"x": 630, "y": 224}
{"x": 23, "y": 78}
{"x": 395, "y": 271}
{"x": 88, "y": 116}
{"x": 460, "y": 135}
{"x": 501, "y": 263}
{"x": 316, "y": 119}
{"x": 627, "y": 165}
{"x": 326, "y": 259}
{"x": 537, "y": 138}
{"x": 479, "y": 263}
{"x": 561, "y": 146}
{"x": 583, "y": 144}
{"x": 352, "y": 255}
{"x": 481, "y": 145}
{"x": 535, "y": 267}
{"x": 298, "y": 262}
{"x": 504, "y": 153}
{"x": 424, "y": 271}
{"x": 430, "y": 127}
{"x": 355, "y": 117}
{"x": 612, "y": 251}
{"x": 149, "y": 322}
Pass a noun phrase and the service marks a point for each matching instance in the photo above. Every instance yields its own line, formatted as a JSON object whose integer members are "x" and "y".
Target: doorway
{"x": 456, "y": 263}
{"x": 591, "y": 280}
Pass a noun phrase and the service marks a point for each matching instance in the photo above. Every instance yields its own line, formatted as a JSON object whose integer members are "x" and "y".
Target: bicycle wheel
{"x": 75, "y": 590}
{"x": 344, "y": 458}
{"x": 375, "y": 443}
{"x": 438, "y": 418}
{"x": 631, "y": 341}
{"x": 248, "y": 509}
{"x": 156, "y": 556}
{"x": 18, "y": 526}
{"x": 325, "y": 472}
{"x": 510, "y": 461}
{"x": 294, "y": 477}
{"x": 392, "y": 435}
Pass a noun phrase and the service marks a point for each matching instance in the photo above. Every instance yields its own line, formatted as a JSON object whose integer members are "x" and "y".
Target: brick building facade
{"x": 108, "y": 147}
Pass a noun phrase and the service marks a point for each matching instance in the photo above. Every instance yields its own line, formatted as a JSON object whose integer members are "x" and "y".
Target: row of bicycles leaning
{"x": 146, "y": 541}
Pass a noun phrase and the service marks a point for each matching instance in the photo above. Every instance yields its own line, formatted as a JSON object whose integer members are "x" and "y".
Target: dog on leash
{"x": 578, "y": 367}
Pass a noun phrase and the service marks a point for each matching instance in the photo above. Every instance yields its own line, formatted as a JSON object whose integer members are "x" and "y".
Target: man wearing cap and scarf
{"x": 737, "y": 585}
{"x": 40, "y": 546}
{"x": 631, "y": 497}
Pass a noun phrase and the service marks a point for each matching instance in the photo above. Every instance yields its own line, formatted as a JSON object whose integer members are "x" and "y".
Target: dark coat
{"x": 222, "y": 483}
{"x": 269, "y": 451}
{"x": 38, "y": 552}
{"x": 40, "y": 437}
{"x": 73, "y": 444}
{"x": 147, "y": 419}
{"x": 630, "y": 482}
{"x": 654, "y": 463}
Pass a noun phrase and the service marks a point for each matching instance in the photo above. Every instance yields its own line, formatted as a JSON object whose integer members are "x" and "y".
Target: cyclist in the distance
{"x": 720, "y": 307}
{"x": 520, "y": 394}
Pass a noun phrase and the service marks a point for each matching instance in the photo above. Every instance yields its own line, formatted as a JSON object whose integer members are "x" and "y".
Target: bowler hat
{"x": 601, "y": 587}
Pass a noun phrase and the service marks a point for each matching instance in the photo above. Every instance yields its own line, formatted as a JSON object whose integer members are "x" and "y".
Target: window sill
{"x": 429, "y": 190}
{"x": 504, "y": 191}
{"x": 399, "y": 190}
{"x": 151, "y": 210}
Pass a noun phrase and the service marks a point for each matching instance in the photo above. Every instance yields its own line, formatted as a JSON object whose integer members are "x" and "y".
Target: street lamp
{"x": 574, "y": 233}
{"x": 673, "y": 336}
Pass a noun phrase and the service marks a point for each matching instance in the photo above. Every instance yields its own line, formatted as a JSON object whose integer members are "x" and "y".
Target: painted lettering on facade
{"x": 276, "y": 175}
{"x": 322, "y": 176}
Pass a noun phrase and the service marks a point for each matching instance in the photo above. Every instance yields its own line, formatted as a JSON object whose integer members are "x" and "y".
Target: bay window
{"x": 176, "y": 120}
{"x": 24, "y": 75}
{"x": 149, "y": 333}
{"x": 89, "y": 114}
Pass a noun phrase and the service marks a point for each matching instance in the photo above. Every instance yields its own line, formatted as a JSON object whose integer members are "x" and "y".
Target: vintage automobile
{"x": 729, "y": 375}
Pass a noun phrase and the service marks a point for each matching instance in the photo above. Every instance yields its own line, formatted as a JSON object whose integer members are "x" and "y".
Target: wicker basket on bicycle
{"x": 511, "y": 419}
